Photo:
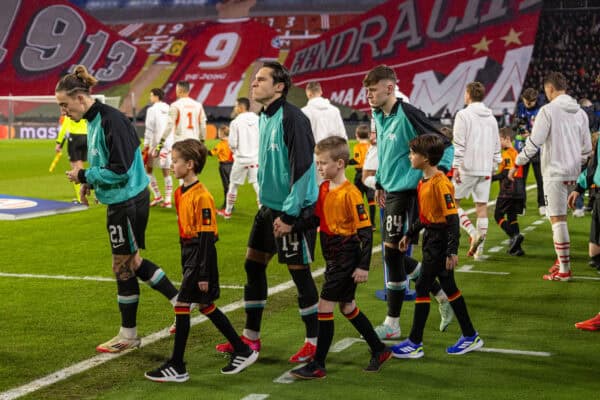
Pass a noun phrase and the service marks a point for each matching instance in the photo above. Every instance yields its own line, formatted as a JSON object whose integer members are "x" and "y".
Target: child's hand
{"x": 451, "y": 262}
{"x": 404, "y": 243}
{"x": 511, "y": 174}
{"x": 203, "y": 286}
{"x": 360, "y": 275}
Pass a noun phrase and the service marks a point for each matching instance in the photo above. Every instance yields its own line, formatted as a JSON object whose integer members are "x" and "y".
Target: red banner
{"x": 40, "y": 40}
{"x": 215, "y": 57}
{"x": 436, "y": 47}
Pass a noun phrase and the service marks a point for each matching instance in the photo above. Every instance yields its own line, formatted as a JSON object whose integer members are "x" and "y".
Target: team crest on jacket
{"x": 449, "y": 201}
{"x": 362, "y": 214}
{"x": 206, "y": 216}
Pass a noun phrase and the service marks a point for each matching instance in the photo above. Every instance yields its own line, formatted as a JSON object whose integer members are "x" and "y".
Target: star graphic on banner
{"x": 483, "y": 45}
{"x": 512, "y": 37}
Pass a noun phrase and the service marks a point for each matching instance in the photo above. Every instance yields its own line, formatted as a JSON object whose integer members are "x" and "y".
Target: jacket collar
{"x": 273, "y": 107}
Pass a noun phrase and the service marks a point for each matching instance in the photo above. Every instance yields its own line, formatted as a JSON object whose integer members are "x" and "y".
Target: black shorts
{"x": 296, "y": 248}
{"x": 341, "y": 261}
{"x": 189, "y": 292}
{"x": 126, "y": 223}
{"x": 77, "y": 148}
{"x": 507, "y": 205}
{"x": 401, "y": 209}
{"x": 595, "y": 225}
{"x": 365, "y": 190}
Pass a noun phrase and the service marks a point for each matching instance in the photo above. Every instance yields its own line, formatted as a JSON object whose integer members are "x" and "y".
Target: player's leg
{"x": 165, "y": 165}
{"x": 516, "y": 238}
{"x": 253, "y": 180}
{"x": 463, "y": 189}
{"x": 556, "y": 197}
{"x": 481, "y": 195}
{"x": 231, "y": 199}
{"x": 237, "y": 177}
{"x": 594, "y": 241}
{"x": 77, "y": 150}
{"x": 539, "y": 181}
{"x": 156, "y": 196}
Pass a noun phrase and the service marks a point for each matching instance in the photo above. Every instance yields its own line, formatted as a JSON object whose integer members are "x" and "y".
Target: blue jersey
{"x": 286, "y": 172}
{"x": 394, "y": 133}
{"x": 527, "y": 115}
{"x": 116, "y": 171}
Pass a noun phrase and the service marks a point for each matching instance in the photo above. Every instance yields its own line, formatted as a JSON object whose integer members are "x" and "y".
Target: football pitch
{"x": 59, "y": 302}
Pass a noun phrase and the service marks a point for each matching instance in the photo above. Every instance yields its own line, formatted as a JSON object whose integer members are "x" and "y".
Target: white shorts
{"x": 239, "y": 173}
{"x": 556, "y": 194}
{"x": 476, "y": 186}
{"x": 163, "y": 161}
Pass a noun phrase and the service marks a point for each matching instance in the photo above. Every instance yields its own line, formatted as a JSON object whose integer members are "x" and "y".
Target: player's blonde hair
{"x": 336, "y": 146}
{"x": 78, "y": 81}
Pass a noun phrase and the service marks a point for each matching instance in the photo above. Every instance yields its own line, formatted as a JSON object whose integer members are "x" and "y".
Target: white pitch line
{"x": 343, "y": 344}
{"x": 86, "y": 278}
{"x": 495, "y": 249}
{"x": 286, "y": 378}
{"x": 256, "y": 396}
{"x": 529, "y": 228}
{"x": 147, "y": 340}
{"x": 517, "y": 352}
{"x": 539, "y": 221}
{"x": 485, "y": 272}
{"x": 589, "y": 278}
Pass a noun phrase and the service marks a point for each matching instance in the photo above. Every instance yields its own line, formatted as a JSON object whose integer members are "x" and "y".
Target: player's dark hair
{"x": 79, "y": 80}
{"x": 158, "y": 92}
{"x": 476, "y": 91}
{"x": 429, "y": 146}
{"x": 194, "y": 150}
{"x": 336, "y": 146}
{"x": 530, "y": 94}
{"x": 362, "y": 131}
{"x": 379, "y": 73}
{"x": 184, "y": 85}
{"x": 243, "y": 101}
{"x": 280, "y": 74}
{"x": 557, "y": 80}
{"x": 507, "y": 132}
{"x": 225, "y": 129}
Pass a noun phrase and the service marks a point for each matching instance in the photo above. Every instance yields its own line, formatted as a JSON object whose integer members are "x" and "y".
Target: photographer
{"x": 527, "y": 110}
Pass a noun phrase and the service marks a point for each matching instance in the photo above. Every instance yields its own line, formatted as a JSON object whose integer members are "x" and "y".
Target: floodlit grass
{"x": 47, "y": 324}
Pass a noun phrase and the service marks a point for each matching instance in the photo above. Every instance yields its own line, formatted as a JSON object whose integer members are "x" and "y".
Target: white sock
{"x": 128, "y": 333}
{"x": 311, "y": 340}
{"x": 174, "y": 299}
{"x": 465, "y": 222}
{"x": 562, "y": 245}
{"x": 482, "y": 228}
{"x": 168, "y": 188}
{"x": 413, "y": 276}
{"x": 154, "y": 186}
{"x": 392, "y": 322}
{"x": 250, "y": 334}
{"x": 441, "y": 296}
{"x": 231, "y": 199}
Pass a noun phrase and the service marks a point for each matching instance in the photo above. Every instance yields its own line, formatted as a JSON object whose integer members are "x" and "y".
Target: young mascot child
{"x": 439, "y": 217}
{"x": 511, "y": 196}
{"x": 346, "y": 241}
{"x": 196, "y": 217}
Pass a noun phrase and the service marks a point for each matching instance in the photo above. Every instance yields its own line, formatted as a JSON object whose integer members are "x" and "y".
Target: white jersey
{"x": 371, "y": 164}
{"x": 477, "y": 149}
{"x": 325, "y": 119}
{"x": 243, "y": 138}
{"x": 561, "y": 126}
{"x": 157, "y": 118}
{"x": 187, "y": 120}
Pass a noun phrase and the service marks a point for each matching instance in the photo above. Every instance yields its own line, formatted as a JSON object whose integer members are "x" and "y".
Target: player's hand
{"x": 404, "y": 243}
{"x": 456, "y": 175}
{"x": 72, "y": 175}
{"x": 451, "y": 262}
{"x": 511, "y": 174}
{"x": 280, "y": 228}
{"x": 203, "y": 286}
{"x": 572, "y": 199}
{"x": 84, "y": 192}
{"x": 360, "y": 275}
{"x": 380, "y": 198}
{"x": 58, "y": 148}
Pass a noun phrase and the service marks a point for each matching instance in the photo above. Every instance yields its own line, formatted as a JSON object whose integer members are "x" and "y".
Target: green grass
{"x": 47, "y": 325}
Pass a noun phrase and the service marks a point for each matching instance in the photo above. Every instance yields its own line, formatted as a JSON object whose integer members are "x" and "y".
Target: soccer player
{"x": 346, "y": 241}
{"x": 157, "y": 117}
{"x": 396, "y": 123}
{"x": 186, "y": 118}
{"x": 77, "y": 147}
{"x": 288, "y": 192}
{"x": 477, "y": 147}
{"x": 243, "y": 141}
{"x": 438, "y": 216}
{"x": 360, "y": 151}
{"x": 511, "y": 197}
{"x": 562, "y": 128}
{"x": 325, "y": 118}
{"x": 225, "y": 156}
{"x": 117, "y": 175}
{"x": 196, "y": 217}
